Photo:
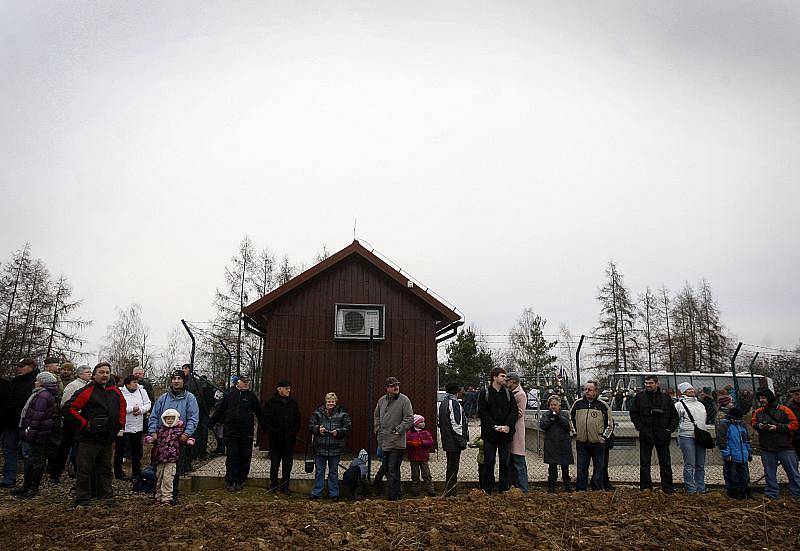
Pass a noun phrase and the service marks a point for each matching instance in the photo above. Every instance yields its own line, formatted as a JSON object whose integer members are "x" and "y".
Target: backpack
{"x": 145, "y": 483}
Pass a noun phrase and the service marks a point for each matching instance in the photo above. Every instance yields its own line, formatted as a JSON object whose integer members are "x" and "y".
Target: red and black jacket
{"x": 98, "y": 411}
{"x": 785, "y": 422}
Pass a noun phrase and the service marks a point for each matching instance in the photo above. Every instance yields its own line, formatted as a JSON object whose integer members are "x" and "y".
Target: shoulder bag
{"x": 702, "y": 437}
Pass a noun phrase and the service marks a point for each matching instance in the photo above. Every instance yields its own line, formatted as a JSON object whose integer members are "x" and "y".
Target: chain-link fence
{"x": 623, "y": 459}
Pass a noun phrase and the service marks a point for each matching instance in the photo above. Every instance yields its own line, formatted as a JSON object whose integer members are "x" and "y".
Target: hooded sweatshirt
{"x": 37, "y": 417}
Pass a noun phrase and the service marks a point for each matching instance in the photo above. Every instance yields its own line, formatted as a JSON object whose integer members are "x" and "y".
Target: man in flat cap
{"x": 393, "y": 417}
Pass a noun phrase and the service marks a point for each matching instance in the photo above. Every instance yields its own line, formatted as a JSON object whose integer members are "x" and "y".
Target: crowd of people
{"x": 89, "y": 420}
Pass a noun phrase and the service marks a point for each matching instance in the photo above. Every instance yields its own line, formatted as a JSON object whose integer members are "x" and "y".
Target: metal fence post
{"x": 733, "y": 372}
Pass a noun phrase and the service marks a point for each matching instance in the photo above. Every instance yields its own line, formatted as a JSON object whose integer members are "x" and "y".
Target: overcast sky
{"x": 500, "y": 152}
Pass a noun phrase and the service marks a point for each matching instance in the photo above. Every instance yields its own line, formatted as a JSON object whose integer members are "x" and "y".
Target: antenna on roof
{"x": 355, "y": 223}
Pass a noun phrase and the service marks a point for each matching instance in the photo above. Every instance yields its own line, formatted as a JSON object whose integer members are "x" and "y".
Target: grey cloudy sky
{"x": 501, "y": 152}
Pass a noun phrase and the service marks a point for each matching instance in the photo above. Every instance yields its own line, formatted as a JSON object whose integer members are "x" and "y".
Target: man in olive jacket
{"x": 655, "y": 417}
{"x": 392, "y": 418}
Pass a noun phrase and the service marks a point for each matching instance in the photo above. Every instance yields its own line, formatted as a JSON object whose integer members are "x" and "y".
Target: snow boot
{"x": 551, "y": 485}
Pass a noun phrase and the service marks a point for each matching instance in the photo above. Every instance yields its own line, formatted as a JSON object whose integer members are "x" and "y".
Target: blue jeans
{"x": 788, "y": 459}
{"x": 11, "y": 451}
{"x": 393, "y": 459}
{"x": 332, "y": 463}
{"x": 589, "y": 452}
{"x": 694, "y": 465}
{"x": 520, "y": 472}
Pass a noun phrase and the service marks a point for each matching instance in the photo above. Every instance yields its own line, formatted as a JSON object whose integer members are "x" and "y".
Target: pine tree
{"x": 468, "y": 362}
{"x": 531, "y": 350}
{"x": 618, "y": 346}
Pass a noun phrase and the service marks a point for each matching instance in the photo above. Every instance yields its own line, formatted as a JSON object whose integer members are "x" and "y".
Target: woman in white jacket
{"x": 694, "y": 457}
{"x": 137, "y": 406}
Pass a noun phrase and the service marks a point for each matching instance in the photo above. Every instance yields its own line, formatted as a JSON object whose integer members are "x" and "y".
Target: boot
{"x": 27, "y": 479}
{"x": 748, "y": 494}
{"x": 36, "y": 480}
{"x": 551, "y": 485}
{"x": 567, "y": 485}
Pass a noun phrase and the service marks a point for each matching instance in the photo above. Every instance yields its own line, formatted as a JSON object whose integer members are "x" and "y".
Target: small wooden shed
{"x": 316, "y": 330}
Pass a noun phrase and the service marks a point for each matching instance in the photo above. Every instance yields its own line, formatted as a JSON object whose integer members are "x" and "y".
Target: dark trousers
{"x": 35, "y": 455}
{"x": 664, "y": 464}
{"x": 97, "y": 457}
{"x": 501, "y": 453}
{"x": 183, "y": 466}
{"x": 278, "y": 457}
{"x": 739, "y": 474}
{"x": 393, "y": 460}
{"x": 606, "y": 479}
{"x": 380, "y": 474}
{"x": 238, "y": 453}
{"x": 10, "y": 455}
{"x": 594, "y": 453}
{"x": 134, "y": 441}
{"x": 64, "y": 450}
{"x": 451, "y": 478}
{"x": 200, "y": 448}
{"x": 552, "y": 473}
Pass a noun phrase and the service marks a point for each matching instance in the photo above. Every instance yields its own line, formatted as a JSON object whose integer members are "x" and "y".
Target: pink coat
{"x": 518, "y": 443}
{"x": 419, "y": 444}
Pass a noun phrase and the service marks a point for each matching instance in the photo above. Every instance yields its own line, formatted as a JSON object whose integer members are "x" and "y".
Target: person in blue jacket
{"x": 734, "y": 444}
{"x": 180, "y": 399}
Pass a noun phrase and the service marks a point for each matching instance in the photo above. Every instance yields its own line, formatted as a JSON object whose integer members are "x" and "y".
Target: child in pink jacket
{"x": 419, "y": 443}
{"x": 166, "y": 451}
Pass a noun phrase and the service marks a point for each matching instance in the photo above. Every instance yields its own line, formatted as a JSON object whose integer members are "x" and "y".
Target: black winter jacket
{"x": 497, "y": 407}
{"x": 327, "y": 444}
{"x": 237, "y": 412}
{"x": 98, "y": 411}
{"x": 654, "y": 416}
{"x": 20, "y": 389}
{"x": 450, "y": 422}
{"x": 281, "y": 422}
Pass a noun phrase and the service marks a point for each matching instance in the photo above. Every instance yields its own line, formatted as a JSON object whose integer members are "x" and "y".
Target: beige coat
{"x": 518, "y": 443}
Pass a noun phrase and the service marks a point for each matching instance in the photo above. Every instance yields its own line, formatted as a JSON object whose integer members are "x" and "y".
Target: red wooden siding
{"x": 299, "y": 345}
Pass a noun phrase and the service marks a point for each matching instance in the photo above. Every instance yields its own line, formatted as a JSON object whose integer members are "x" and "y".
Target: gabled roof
{"x": 354, "y": 249}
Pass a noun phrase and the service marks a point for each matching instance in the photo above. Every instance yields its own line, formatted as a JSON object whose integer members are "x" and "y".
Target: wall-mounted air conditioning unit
{"x": 354, "y": 321}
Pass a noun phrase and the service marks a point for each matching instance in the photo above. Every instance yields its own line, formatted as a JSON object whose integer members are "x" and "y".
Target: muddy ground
{"x": 625, "y": 519}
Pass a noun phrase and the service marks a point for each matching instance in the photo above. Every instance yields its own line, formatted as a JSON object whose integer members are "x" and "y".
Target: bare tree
{"x": 125, "y": 343}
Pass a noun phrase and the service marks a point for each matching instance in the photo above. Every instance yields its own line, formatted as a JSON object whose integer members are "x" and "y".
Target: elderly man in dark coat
{"x": 281, "y": 423}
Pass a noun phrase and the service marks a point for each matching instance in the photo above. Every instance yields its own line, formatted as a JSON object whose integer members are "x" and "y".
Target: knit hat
{"x": 283, "y": 383}
{"x": 417, "y": 420}
{"x": 513, "y": 377}
{"x": 171, "y": 413}
{"x": 46, "y": 377}
{"x": 724, "y": 401}
{"x": 363, "y": 455}
{"x": 766, "y": 393}
{"x": 735, "y": 413}
{"x": 683, "y": 387}
{"x": 794, "y": 389}
{"x": 707, "y": 390}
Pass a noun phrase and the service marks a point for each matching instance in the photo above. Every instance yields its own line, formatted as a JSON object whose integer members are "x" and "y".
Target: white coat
{"x": 135, "y": 423}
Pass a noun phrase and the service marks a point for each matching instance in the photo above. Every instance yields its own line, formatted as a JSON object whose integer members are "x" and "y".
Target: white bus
{"x": 698, "y": 379}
